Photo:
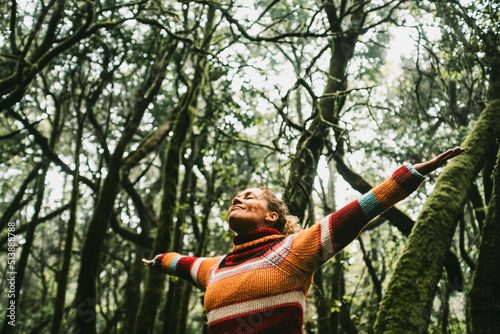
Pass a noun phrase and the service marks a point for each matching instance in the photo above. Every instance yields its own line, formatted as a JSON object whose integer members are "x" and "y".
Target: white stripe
{"x": 195, "y": 268}
{"x": 326, "y": 238}
{"x": 256, "y": 304}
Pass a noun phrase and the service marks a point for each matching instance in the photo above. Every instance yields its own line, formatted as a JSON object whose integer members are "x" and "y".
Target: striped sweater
{"x": 261, "y": 286}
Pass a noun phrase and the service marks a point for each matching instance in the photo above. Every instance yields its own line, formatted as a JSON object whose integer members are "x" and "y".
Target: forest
{"x": 127, "y": 128}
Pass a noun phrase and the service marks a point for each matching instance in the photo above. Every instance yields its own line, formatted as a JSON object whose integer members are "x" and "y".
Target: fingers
{"x": 458, "y": 151}
{"x": 147, "y": 263}
{"x": 451, "y": 153}
{"x": 429, "y": 166}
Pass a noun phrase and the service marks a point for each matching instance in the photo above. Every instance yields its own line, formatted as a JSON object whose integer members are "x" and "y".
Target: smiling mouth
{"x": 235, "y": 207}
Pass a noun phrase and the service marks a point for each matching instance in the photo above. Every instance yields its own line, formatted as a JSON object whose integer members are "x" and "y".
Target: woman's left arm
{"x": 326, "y": 238}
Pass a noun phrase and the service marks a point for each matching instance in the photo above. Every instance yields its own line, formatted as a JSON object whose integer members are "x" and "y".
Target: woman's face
{"x": 249, "y": 212}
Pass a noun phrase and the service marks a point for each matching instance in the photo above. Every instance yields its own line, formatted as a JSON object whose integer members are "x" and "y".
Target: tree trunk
{"x": 16, "y": 204}
{"x": 17, "y": 274}
{"x": 68, "y": 245}
{"x": 155, "y": 281}
{"x": 407, "y": 301}
{"x": 98, "y": 226}
{"x": 200, "y": 251}
{"x": 322, "y": 303}
{"x": 485, "y": 292}
{"x": 179, "y": 292}
{"x": 322, "y": 300}
{"x": 176, "y": 287}
{"x": 314, "y": 139}
{"x": 30, "y": 231}
{"x": 150, "y": 300}
{"x": 133, "y": 289}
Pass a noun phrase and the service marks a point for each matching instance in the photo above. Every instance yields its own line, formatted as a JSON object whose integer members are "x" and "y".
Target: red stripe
{"x": 223, "y": 267}
{"x": 183, "y": 267}
{"x": 405, "y": 178}
{"x": 346, "y": 224}
{"x": 158, "y": 261}
{"x": 233, "y": 259}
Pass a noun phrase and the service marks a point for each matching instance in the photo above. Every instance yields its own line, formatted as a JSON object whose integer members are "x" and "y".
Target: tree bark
{"x": 175, "y": 294}
{"x": 407, "y": 301}
{"x": 314, "y": 139}
{"x": 21, "y": 265}
{"x": 86, "y": 291}
{"x": 155, "y": 281}
{"x": 15, "y": 205}
{"x": 68, "y": 245}
{"x": 485, "y": 292}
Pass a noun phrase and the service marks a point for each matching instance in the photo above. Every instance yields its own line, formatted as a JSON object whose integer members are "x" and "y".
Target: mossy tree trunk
{"x": 20, "y": 270}
{"x": 98, "y": 226}
{"x": 406, "y": 304}
{"x": 39, "y": 188}
{"x": 315, "y": 137}
{"x": 175, "y": 313}
{"x": 485, "y": 292}
{"x": 200, "y": 251}
{"x": 68, "y": 244}
{"x": 155, "y": 281}
{"x": 175, "y": 295}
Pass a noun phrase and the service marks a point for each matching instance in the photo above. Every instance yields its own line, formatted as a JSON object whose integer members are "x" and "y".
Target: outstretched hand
{"x": 147, "y": 263}
{"x": 431, "y": 165}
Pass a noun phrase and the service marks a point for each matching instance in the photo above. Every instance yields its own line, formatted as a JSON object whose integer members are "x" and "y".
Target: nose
{"x": 236, "y": 200}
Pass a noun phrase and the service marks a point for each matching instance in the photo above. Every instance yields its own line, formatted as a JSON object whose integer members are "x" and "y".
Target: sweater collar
{"x": 255, "y": 235}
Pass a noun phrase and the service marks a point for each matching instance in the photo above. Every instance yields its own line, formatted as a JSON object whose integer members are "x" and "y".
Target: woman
{"x": 261, "y": 286}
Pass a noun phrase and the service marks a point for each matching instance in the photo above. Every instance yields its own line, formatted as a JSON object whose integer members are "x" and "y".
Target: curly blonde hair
{"x": 286, "y": 224}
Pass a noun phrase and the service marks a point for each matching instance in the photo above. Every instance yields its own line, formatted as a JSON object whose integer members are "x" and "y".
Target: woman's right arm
{"x": 195, "y": 270}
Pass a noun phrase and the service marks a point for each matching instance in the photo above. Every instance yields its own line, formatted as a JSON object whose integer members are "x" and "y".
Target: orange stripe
{"x": 389, "y": 193}
{"x": 204, "y": 271}
{"x": 254, "y": 284}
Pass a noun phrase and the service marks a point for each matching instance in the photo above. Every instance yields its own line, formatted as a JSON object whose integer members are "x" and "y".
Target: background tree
{"x": 484, "y": 297}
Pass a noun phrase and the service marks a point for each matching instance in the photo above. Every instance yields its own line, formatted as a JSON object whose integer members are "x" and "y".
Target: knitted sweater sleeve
{"x": 316, "y": 245}
{"x": 195, "y": 270}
